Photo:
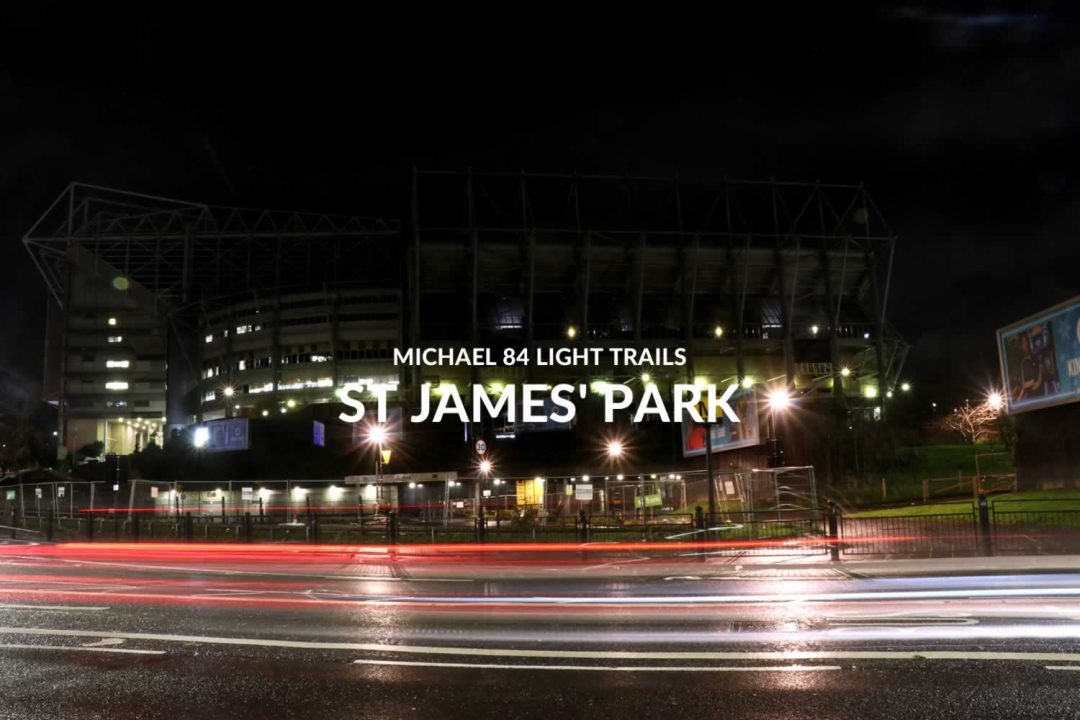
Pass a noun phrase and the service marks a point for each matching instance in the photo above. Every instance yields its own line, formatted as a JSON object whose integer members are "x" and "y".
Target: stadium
{"x": 166, "y": 316}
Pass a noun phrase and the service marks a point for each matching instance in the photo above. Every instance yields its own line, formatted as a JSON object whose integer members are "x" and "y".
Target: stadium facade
{"x": 164, "y": 314}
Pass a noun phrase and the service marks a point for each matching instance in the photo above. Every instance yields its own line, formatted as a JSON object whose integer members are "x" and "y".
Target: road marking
{"x": 105, "y": 642}
{"x": 789, "y": 656}
{"x": 125, "y": 651}
{"x": 1063, "y": 667}
{"x": 57, "y": 608}
{"x": 604, "y": 668}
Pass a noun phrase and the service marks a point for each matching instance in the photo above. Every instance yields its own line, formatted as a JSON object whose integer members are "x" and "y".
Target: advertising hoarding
{"x": 726, "y": 435}
{"x": 227, "y": 435}
{"x": 1040, "y": 358}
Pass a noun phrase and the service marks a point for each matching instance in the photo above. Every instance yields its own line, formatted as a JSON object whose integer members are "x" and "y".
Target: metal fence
{"x": 967, "y": 529}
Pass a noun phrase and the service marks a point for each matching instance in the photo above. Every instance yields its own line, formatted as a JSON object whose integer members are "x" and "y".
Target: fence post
{"x": 49, "y": 528}
{"x": 834, "y": 531}
{"x": 13, "y": 519}
{"x": 247, "y": 527}
{"x": 314, "y": 521}
{"x": 984, "y": 526}
{"x": 135, "y": 527}
{"x": 189, "y": 527}
{"x": 89, "y": 527}
{"x": 699, "y": 518}
{"x": 391, "y": 527}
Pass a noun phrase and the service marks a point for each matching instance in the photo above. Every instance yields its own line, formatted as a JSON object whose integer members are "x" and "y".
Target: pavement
{"x": 160, "y": 631}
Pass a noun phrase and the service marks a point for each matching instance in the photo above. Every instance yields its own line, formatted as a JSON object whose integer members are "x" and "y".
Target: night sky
{"x": 961, "y": 119}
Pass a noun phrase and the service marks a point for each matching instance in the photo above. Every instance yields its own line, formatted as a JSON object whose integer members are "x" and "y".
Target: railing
{"x": 982, "y": 528}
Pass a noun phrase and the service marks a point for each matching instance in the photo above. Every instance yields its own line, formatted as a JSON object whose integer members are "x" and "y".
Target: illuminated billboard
{"x": 1040, "y": 358}
{"x": 227, "y": 435}
{"x": 726, "y": 435}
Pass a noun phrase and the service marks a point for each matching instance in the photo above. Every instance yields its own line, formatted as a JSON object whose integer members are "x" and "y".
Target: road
{"x": 124, "y": 631}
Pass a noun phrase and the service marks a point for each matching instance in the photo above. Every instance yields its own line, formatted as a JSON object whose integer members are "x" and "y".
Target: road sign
{"x": 481, "y": 446}
{"x": 247, "y": 494}
{"x": 37, "y": 493}
{"x": 583, "y": 492}
{"x": 60, "y": 490}
{"x": 153, "y": 492}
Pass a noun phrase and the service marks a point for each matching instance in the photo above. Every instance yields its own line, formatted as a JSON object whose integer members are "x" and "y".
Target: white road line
{"x": 1063, "y": 667}
{"x": 65, "y": 648}
{"x": 57, "y": 608}
{"x": 789, "y": 656}
{"x": 605, "y": 668}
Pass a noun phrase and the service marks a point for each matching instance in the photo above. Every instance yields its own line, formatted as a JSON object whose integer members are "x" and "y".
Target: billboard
{"x": 227, "y": 435}
{"x": 726, "y": 435}
{"x": 1040, "y": 358}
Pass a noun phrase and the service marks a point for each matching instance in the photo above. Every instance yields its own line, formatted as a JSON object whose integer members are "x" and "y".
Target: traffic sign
{"x": 481, "y": 446}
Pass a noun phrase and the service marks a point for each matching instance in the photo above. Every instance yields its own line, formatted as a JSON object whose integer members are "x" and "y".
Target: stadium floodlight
{"x": 995, "y": 400}
{"x": 614, "y": 448}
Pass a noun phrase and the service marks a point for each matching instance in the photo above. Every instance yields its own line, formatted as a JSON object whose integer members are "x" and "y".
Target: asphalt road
{"x": 253, "y": 632}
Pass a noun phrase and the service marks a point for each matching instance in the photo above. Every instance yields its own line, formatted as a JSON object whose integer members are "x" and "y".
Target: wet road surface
{"x": 118, "y": 631}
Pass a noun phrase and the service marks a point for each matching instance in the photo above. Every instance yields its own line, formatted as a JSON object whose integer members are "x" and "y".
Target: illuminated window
{"x": 117, "y": 363}
{"x": 242, "y": 365}
{"x": 112, "y": 321}
{"x": 209, "y": 338}
{"x": 116, "y": 338}
{"x": 116, "y": 385}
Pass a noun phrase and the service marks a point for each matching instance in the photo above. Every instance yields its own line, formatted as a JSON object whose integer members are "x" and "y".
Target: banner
{"x": 1040, "y": 358}
{"x": 726, "y": 435}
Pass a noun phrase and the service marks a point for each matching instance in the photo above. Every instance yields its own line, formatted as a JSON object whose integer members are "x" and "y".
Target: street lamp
{"x": 778, "y": 401}
{"x": 228, "y": 392}
{"x": 995, "y": 401}
{"x": 377, "y": 436}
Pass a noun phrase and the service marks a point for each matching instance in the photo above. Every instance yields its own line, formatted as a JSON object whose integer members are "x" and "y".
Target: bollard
{"x": 313, "y": 536}
{"x": 833, "y": 520}
{"x": 13, "y": 518}
{"x": 984, "y": 526}
{"x": 478, "y": 529}
{"x": 699, "y": 518}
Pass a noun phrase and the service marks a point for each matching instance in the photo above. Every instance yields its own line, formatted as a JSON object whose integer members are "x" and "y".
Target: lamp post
{"x": 377, "y": 436}
{"x": 779, "y": 400}
{"x": 485, "y": 467}
{"x": 228, "y": 392}
{"x": 614, "y": 452}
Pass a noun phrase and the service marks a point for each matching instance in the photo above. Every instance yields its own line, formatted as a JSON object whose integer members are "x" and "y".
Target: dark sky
{"x": 961, "y": 119}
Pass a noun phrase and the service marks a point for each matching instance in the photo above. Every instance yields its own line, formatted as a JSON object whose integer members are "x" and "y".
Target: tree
{"x": 974, "y": 423}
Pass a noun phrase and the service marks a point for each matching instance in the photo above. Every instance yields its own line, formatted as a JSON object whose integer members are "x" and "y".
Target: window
{"x": 116, "y": 338}
{"x": 116, "y": 385}
{"x": 209, "y": 339}
{"x": 117, "y": 363}
{"x": 112, "y": 321}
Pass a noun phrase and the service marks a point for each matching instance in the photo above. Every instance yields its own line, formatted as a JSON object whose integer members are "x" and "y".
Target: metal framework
{"x": 781, "y": 247}
{"x": 186, "y": 252}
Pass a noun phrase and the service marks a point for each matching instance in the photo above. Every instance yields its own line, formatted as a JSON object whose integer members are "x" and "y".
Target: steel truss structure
{"x": 785, "y": 257}
{"x": 190, "y": 252}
